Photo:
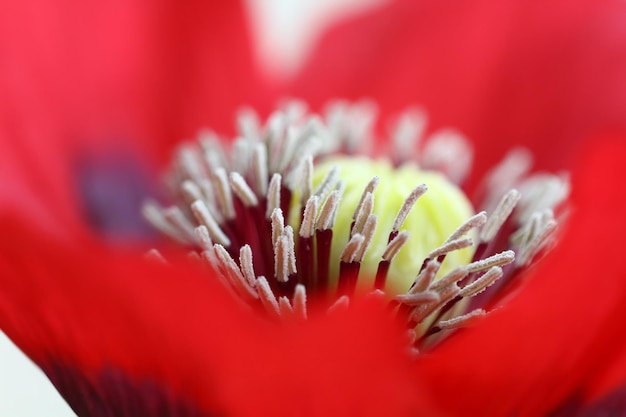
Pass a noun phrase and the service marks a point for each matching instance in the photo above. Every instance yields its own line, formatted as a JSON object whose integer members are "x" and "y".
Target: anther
{"x": 352, "y": 248}
{"x": 243, "y": 191}
{"x": 246, "y": 265}
{"x": 425, "y": 277}
{"x": 419, "y": 298}
{"x": 191, "y": 191}
{"x": 499, "y": 259}
{"x": 395, "y": 245}
{"x": 306, "y": 183}
{"x": 273, "y": 195}
{"x": 326, "y": 218}
{"x": 408, "y": 204}
{"x": 451, "y": 278}
{"x": 259, "y": 168}
{"x": 482, "y": 283}
{"x": 364, "y": 212}
{"x": 475, "y": 222}
{"x": 453, "y": 245}
{"x": 267, "y": 297}
{"x": 462, "y": 321}
{"x": 224, "y": 195}
{"x": 299, "y": 301}
{"x": 278, "y": 225}
{"x": 328, "y": 182}
{"x": 153, "y": 213}
{"x": 203, "y": 237}
{"x": 498, "y": 217}
{"x": 177, "y": 218}
{"x": 368, "y": 235}
{"x": 234, "y": 274}
{"x": 285, "y": 307}
{"x": 307, "y": 227}
{"x": 204, "y": 217}
{"x": 369, "y": 189}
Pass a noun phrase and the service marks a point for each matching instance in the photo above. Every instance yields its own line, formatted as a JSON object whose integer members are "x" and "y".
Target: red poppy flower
{"x": 121, "y": 337}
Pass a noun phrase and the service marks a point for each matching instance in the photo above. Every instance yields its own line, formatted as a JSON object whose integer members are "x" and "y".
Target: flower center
{"x": 292, "y": 210}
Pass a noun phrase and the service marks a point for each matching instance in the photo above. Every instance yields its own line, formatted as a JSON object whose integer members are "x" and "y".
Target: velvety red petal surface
{"x": 561, "y": 338}
{"x": 90, "y": 311}
{"x": 81, "y": 79}
{"x": 543, "y": 74}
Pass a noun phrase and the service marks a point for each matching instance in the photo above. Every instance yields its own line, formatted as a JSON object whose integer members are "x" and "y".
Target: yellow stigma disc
{"x": 437, "y": 214}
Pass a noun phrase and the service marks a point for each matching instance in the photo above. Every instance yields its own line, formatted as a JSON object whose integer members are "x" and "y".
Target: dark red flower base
{"x": 114, "y": 393}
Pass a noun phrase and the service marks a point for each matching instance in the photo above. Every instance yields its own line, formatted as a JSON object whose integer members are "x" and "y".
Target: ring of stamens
{"x": 239, "y": 207}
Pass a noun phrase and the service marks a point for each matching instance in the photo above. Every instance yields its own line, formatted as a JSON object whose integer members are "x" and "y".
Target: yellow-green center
{"x": 437, "y": 214}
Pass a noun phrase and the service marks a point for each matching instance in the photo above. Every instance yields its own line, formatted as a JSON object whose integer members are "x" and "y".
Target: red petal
{"x": 563, "y": 331}
{"x": 82, "y": 78}
{"x": 541, "y": 74}
{"x": 91, "y": 310}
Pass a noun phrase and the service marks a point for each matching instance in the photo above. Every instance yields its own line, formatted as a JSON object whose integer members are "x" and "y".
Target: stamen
{"x": 328, "y": 182}
{"x": 482, "y": 283}
{"x": 291, "y": 258}
{"x": 306, "y": 183}
{"x": 278, "y": 225}
{"x": 155, "y": 256}
{"x": 326, "y": 218}
{"x": 203, "y": 216}
{"x": 190, "y": 164}
{"x": 153, "y": 213}
{"x": 224, "y": 195}
{"x": 451, "y": 278}
{"x": 341, "y": 304}
{"x": 243, "y": 191}
{"x": 446, "y": 294}
{"x": 501, "y": 213}
{"x": 352, "y": 248}
{"x": 370, "y": 188}
{"x": 462, "y": 321}
{"x": 259, "y": 169}
{"x": 408, "y": 204}
{"x": 248, "y": 123}
{"x": 394, "y": 246}
{"x": 363, "y": 214}
{"x": 307, "y": 227}
{"x": 368, "y": 235}
{"x": 204, "y": 239}
{"x": 267, "y": 297}
{"x": 247, "y": 267}
{"x": 299, "y": 301}
{"x": 176, "y": 218}
{"x": 191, "y": 191}
{"x": 474, "y": 222}
{"x": 273, "y": 195}
{"x": 515, "y": 165}
{"x": 285, "y": 307}
{"x": 448, "y": 151}
{"x": 541, "y": 238}
{"x": 406, "y": 133}
{"x": 241, "y": 155}
{"x": 425, "y": 277}
{"x": 499, "y": 259}
{"x": 451, "y": 246}
{"x": 234, "y": 274}
{"x": 419, "y": 298}
{"x": 281, "y": 259}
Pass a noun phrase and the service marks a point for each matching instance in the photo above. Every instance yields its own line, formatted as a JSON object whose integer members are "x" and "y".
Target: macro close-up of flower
{"x": 424, "y": 218}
